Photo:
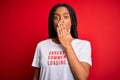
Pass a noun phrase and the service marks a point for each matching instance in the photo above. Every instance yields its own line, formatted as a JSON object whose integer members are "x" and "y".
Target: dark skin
{"x": 36, "y": 73}
{"x": 62, "y": 25}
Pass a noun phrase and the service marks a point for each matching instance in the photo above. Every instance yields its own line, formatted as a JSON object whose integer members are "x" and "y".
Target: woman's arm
{"x": 36, "y": 74}
{"x": 80, "y": 69}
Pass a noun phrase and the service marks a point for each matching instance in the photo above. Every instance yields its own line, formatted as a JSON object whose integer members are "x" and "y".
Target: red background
{"x": 24, "y": 23}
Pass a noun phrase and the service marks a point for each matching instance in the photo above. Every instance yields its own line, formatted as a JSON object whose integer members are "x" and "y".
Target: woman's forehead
{"x": 61, "y": 10}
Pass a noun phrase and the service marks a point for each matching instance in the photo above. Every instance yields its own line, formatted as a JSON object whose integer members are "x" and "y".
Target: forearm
{"x": 36, "y": 74}
{"x": 34, "y": 78}
{"x": 77, "y": 68}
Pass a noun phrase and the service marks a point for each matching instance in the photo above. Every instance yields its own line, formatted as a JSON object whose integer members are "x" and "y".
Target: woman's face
{"x": 62, "y": 15}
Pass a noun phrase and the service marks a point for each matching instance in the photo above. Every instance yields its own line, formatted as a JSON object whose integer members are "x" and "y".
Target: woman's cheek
{"x": 55, "y": 26}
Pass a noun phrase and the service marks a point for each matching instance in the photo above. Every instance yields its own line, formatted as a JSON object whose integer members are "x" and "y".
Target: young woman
{"x": 63, "y": 56}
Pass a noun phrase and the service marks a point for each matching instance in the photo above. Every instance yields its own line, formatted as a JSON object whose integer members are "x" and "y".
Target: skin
{"x": 36, "y": 73}
{"x": 62, "y": 25}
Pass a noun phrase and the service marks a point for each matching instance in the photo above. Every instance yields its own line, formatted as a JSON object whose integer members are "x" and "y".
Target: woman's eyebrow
{"x": 59, "y": 14}
{"x": 66, "y": 13}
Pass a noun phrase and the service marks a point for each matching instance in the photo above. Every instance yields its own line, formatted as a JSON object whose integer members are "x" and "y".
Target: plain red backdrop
{"x": 24, "y": 23}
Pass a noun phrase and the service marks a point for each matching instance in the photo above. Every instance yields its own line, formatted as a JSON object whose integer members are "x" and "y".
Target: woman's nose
{"x": 61, "y": 19}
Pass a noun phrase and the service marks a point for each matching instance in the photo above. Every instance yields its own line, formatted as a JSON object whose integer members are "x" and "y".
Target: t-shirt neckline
{"x": 54, "y": 43}
{"x": 60, "y": 44}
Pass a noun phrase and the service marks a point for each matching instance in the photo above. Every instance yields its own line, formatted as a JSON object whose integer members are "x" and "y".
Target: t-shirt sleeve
{"x": 85, "y": 53}
{"x": 36, "y": 58}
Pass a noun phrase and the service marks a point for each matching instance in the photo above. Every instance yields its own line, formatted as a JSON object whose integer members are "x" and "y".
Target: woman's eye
{"x": 66, "y": 17}
{"x": 56, "y": 17}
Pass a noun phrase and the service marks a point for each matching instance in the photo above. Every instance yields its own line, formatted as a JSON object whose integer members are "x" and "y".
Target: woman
{"x": 63, "y": 56}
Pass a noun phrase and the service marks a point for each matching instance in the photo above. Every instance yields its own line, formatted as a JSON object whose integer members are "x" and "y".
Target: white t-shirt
{"x": 52, "y": 60}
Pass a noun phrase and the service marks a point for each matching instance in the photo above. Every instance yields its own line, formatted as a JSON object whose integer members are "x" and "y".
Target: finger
{"x": 58, "y": 23}
{"x": 60, "y": 27}
{"x": 69, "y": 30}
{"x": 60, "y": 30}
{"x": 63, "y": 26}
{"x": 57, "y": 30}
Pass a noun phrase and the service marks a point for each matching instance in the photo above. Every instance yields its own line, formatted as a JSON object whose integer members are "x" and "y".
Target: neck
{"x": 56, "y": 40}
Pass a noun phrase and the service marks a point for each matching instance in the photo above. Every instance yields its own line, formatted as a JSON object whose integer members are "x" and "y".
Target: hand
{"x": 64, "y": 35}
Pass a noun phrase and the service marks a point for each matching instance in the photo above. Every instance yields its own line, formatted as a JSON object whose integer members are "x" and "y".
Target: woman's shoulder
{"x": 80, "y": 41}
{"x": 43, "y": 42}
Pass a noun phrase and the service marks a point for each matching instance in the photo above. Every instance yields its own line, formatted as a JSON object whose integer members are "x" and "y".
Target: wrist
{"x": 69, "y": 47}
